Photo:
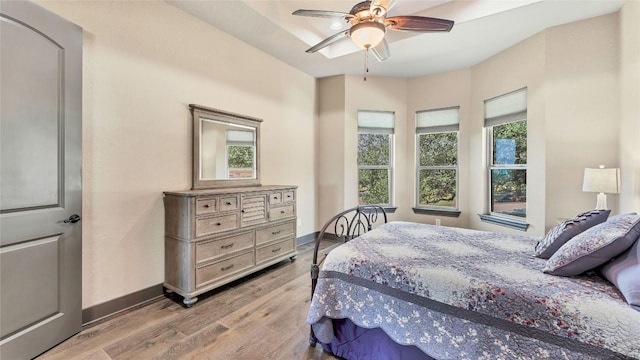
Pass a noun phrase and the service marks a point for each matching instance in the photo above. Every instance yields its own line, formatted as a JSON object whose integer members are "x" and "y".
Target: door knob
{"x": 73, "y": 219}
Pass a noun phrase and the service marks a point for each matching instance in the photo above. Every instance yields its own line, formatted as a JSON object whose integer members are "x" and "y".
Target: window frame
{"x": 517, "y": 222}
{"x": 229, "y": 143}
{"x": 419, "y": 131}
{"x": 491, "y": 167}
{"x": 390, "y": 131}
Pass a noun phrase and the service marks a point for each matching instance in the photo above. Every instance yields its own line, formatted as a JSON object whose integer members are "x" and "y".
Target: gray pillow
{"x": 594, "y": 246}
{"x": 563, "y": 232}
{"x": 624, "y": 273}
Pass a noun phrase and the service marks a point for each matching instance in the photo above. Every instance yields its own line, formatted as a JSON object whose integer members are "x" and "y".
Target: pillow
{"x": 624, "y": 273}
{"x": 614, "y": 217}
{"x": 563, "y": 232}
{"x": 594, "y": 246}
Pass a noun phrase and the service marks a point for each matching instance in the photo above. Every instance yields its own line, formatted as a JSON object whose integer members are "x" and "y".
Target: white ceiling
{"x": 482, "y": 28}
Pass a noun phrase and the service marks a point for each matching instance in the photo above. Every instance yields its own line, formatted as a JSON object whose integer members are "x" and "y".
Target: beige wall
{"x": 629, "y": 197}
{"x": 519, "y": 66}
{"x": 144, "y": 62}
{"x": 375, "y": 94}
{"x": 571, "y": 73}
{"x": 581, "y": 100}
{"x": 434, "y": 92}
{"x": 330, "y": 147}
{"x": 340, "y": 98}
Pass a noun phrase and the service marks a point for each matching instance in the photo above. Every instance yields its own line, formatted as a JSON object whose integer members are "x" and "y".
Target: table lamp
{"x": 602, "y": 181}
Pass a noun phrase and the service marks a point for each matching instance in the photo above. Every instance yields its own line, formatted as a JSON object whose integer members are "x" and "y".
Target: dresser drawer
{"x": 205, "y": 206}
{"x": 281, "y": 212}
{"x": 275, "y": 198}
{"x": 275, "y": 232}
{"x": 209, "y": 250}
{"x": 217, "y": 270}
{"x": 288, "y": 196}
{"x": 228, "y": 203}
{"x": 274, "y": 250}
{"x": 214, "y": 224}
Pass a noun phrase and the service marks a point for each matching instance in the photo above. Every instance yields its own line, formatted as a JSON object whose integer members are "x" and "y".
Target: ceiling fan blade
{"x": 381, "y": 51}
{"x": 328, "y": 41}
{"x": 322, "y": 14}
{"x": 418, "y": 23}
{"x": 384, "y": 4}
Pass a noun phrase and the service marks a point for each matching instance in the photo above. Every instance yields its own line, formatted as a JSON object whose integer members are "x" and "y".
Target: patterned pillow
{"x": 594, "y": 246}
{"x": 563, "y": 232}
{"x": 624, "y": 273}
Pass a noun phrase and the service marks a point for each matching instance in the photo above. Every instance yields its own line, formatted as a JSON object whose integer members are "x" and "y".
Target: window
{"x": 506, "y": 123}
{"x": 437, "y": 159}
{"x": 375, "y": 154}
{"x": 240, "y": 154}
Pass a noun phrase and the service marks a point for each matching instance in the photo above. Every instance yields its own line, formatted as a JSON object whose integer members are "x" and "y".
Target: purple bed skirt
{"x": 355, "y": 343}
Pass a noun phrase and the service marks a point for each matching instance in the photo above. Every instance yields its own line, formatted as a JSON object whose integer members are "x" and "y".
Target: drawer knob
{"x": 207, "y": 205}
{"x": 281, "y": 211}
{"x": 226, "y": 246}
{"x": 276, "y": 232}
{"x": 228, "y": 202}
{"x": 288, "y": 196}
{"x": 276, "y": 250}
{"x": 225, "y": 268}
{"x": 218, "y": 224}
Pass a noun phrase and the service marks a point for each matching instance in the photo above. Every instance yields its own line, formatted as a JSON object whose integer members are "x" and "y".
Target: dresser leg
{"x": 292, "y": 258}
{"x": 188, "y": 302}
{"x": 167, "y": 291}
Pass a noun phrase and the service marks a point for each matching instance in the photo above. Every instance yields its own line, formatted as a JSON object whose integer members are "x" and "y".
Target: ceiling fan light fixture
{"x": 367, "y": 34}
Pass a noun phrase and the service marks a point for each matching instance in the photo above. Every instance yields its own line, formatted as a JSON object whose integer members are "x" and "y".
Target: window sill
{"x": 448, "y": 213}
{"x": 503, "y": 221}
{"x": 387, "y": 209}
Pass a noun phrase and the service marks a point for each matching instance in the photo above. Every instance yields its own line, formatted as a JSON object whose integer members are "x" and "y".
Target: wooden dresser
{"x": 215, "y": 236}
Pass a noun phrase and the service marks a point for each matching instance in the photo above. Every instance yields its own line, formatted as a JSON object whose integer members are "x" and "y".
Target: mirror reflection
{"x": 227, "y": 150}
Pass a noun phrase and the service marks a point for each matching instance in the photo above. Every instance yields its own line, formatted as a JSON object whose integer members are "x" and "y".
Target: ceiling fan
{"x": 369, "y": 24}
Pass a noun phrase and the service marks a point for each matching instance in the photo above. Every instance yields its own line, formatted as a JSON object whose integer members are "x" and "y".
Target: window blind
{"x": 239, "y": 137}
{"x": 506, "y": 108}
{"x": 376, "y": 121}
{"x": 438, "y": 120}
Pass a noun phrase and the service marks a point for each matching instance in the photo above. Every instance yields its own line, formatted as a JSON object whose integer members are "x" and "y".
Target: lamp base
{"x": 601, "y": 201}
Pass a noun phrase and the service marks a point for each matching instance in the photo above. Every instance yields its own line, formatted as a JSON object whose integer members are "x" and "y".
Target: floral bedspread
{"x": 467, "y": 294}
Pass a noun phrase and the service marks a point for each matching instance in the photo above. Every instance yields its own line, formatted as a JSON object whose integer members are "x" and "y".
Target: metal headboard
{"x": 346, "y": 226}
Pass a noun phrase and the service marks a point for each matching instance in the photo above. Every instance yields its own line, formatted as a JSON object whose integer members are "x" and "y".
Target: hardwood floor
{"x": 259, "y": 317}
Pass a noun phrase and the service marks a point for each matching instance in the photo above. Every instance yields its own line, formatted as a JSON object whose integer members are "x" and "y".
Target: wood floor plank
{"x": 275, "y": 302}
{"x": 145, "y": 344}
{"x": 116, "y": 328}
{"x": 192, "y": 343}
{"x": 262, "y": 316}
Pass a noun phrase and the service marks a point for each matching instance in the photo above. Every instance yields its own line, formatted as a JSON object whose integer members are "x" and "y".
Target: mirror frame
{"x": 198, "y": 111}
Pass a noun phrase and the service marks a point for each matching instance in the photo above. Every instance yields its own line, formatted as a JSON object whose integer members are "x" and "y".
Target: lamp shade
{"x": 601, "y": 180}
{"x": 367, "y": 34}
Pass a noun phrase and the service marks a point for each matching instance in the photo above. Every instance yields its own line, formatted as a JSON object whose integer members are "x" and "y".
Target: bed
{"x": 414, "y": 291}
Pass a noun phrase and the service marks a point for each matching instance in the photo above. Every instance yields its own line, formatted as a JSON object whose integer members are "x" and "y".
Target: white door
{"x": 40, "y": 179}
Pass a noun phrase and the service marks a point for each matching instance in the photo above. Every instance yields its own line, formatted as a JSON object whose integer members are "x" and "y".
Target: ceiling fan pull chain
{"x": 366, "y": 63}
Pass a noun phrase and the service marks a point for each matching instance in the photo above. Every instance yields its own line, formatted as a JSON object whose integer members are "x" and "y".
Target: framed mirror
{"x": 226, "y": 149}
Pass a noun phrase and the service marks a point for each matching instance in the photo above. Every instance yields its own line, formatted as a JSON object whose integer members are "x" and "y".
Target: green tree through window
{"x": 437, "y": 158}
{"x": 373, "y": 171}
{"x": 240, "y": 161}
{"x": 508, "y": 171}
{"x": 375, "y": 147}
{"x": 438, "y": 154}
